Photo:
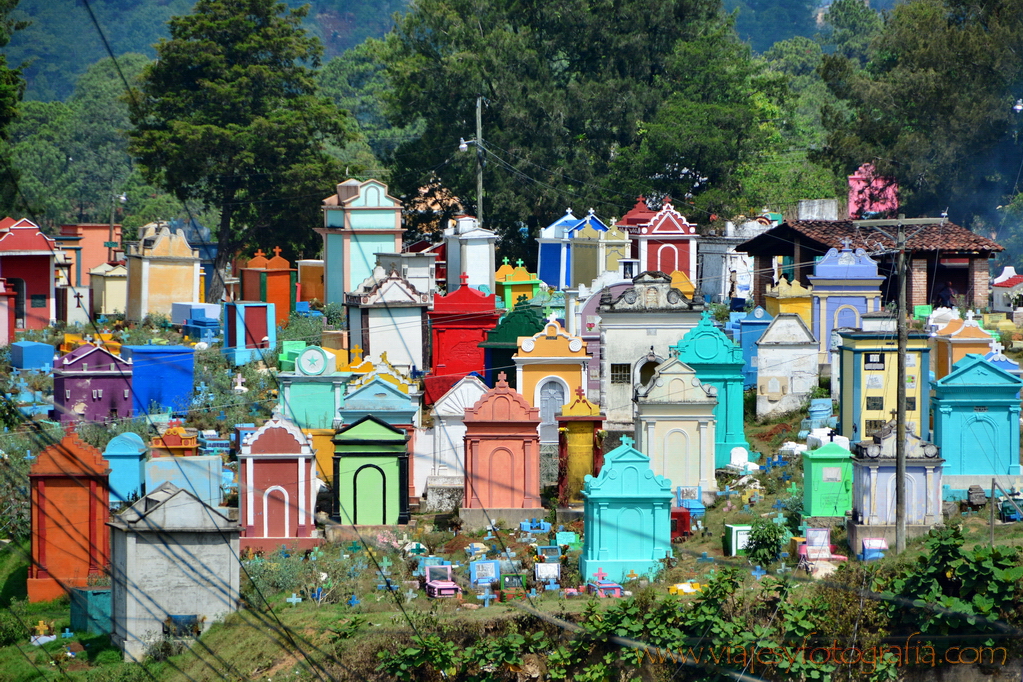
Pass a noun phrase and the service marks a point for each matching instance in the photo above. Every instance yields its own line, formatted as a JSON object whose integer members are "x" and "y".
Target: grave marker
{"x": 759, "y": 573}
{"x": 294, "y": 599}
{"x": 67, "y": 634}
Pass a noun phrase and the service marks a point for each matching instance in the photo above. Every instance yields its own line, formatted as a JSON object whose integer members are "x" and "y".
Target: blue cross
{"x": 704, "y": 559}
{"x": 785, "y": 477}
{"x": 759, "y": 573}
{"x": 778, "y": 505}
{"x": 551, "y": 585}
{"x": 486, "y": 597}
{"x": 316, "y": 594}
{"x": 67, "y": 634}
{"x": 294, "y": 599}
{"x": 354, "y": 601}
{"x": 387, "y": 584}
{"x": 627, "y": 441}
{"x": 532, "y": 593}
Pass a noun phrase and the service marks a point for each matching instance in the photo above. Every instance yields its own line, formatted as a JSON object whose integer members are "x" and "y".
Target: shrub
{"x": 765, "y": 542}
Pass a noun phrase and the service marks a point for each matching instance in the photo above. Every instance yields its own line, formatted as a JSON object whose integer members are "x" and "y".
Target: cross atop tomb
{"x": 600, "y": 574}
{"x": 277, "y": 251}
{"x": 518, "y": 263}
{"x": 259, "y": 253}
{"x": 580, "y": 392}
{"x": 969, "y": 316}
{"x": 505, "y": 260}
{"x": 627, "y": 441}
{"x": 465, "y": 277}
{"x": 997, "y": 347}
{"x": 846, "y": 244}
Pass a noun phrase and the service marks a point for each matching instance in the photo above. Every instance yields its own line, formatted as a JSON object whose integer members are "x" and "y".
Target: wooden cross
{"x": 631, "y": 575}
{"x": 418, "y": 549}
{"x": 487, "y": 597}
{"x": 385, "y": 564}
{"x": 353, "y": 601}
{"x": 354, "y": 547}
{"x": 705, "y": 559}
{"x": 410, "y": 595}
{"x": 294, "y": 599}
{"x": 600, "y": 574}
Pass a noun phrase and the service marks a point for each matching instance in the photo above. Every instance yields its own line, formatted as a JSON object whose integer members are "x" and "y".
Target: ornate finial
{"x": 465, "y": 278}
{"x": 997, "y": 347}
{"x": 591, "y": 211}
{"x": 502, "y": 380}
{"x": 277, "y": 251}
{"x": 518, "y": 263}
{"x": 969, "y": 316}
{"x": 627, "y": 441}
{"x": 505, "y": 260}
{"x": 846, "y": 244}
{"x": 259, "y": 253}
{"x": 521, "y": 300}
{"x": 580, "y": 392}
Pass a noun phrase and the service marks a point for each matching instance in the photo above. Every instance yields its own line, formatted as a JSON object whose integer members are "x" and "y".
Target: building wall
{"x": 175, "y": 573}
{"x": 109, "y": 295}
{"x": 311, "y": 277}
{"x": 368, "y": 490}
{"x": 92, "y": 253}
{"x": 37, "y": 273}
{"x": 680, "y": 443}
{"x": 399, "y": 332}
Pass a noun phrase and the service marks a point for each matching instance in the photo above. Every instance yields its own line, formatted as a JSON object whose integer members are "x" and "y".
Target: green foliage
{"x": 765, "y": 542}
{"x": 429, "y": 654}
{"x": 763, "y": 23}
{"x": 98, "y": 435}
{"x": 276, "y": 573}
{"x": 907, "y": 113}
{"x": 229, "y": 117}
{"x": 11, "y": 630}
{"x": 951, "y": 591}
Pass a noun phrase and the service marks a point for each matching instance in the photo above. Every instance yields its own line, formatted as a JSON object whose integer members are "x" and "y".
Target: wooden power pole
{"x": 903, "y": 334}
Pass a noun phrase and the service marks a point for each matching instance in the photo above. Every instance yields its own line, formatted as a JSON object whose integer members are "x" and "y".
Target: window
{"x": 910, "y": 404}
{"x": 875, "y": 402}
{"x": 38, "y": 300}
{"x": 873, "y": 361}
{"x": 621, "y": 373}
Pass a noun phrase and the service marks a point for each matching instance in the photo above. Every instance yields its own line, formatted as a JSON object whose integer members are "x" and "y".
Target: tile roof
{"x": 947, "y": 237}
{"x": 1011, "y": 282}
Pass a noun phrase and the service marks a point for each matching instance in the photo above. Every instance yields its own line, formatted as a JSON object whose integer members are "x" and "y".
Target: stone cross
{"x": 67, "y": 634}
{"x": 294, "y": 599}
{"x": 277, "y": 251}
{"x": 627, "y": 441}
{"x": 846, "y": 243}
{"x": 410, "y": 595}
{"x": 239, "y": 383}
{"x": 997, "y": 347}
{"x": 600, "y": 574}
{"x": 487, "y": 597}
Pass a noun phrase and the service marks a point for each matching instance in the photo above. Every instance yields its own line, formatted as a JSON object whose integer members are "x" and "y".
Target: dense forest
{"x": 584, "y": 104}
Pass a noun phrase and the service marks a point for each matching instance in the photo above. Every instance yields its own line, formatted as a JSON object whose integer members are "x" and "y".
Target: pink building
{"x": 502, "y": 458}
{"x": 277, "y": 488}
{"x": 870, "y": 194}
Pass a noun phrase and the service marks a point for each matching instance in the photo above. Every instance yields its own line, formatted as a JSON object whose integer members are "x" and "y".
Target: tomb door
{"x": 255, "y": 327}
{"x": 552, "y": 398}
{"x": 275, "y": 513}
{"x": 978, "y": 452}
{"x": 632, "y": 541}
{"x": 504, "y": 480}
{"x": 18, "y": 285}
{"x": 369, "y": 496}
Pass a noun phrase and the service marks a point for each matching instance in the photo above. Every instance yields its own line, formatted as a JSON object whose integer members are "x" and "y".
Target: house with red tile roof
{"x": 1007, "y": 291}
{"x": 938, "y": 254}
{"x": 662, "y": 241}
{"x": 28, "y": 262}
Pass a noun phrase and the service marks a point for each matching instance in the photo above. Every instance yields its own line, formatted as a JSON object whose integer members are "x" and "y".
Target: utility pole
{"x": 479, "y": 161}
{"x": 903, "y": 342}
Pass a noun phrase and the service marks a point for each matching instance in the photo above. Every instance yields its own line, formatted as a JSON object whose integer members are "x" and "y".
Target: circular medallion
{"x": 758, "y": 313}
{"x": 528, "y": 345}
{"x": 706, "y": 347}
{"x": 575, "y": 345}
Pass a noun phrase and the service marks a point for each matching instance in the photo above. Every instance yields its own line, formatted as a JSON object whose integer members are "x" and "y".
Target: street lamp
{"x": 111, "y": 244}
{"x": 1018, "y": 106}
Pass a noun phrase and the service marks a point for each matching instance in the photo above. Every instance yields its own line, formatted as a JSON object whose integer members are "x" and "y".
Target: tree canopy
{"x": 586, "y": 103}
{"x": 229, "y": 118}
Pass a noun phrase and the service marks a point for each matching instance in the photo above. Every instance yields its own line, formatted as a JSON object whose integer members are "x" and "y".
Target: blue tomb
{"x": 126, "y": 455}
{"x": 750, "y": 328}
{"x": 161, "y": 376}
{"x": 32, "y": 355}
{"x": 627, "y": 515}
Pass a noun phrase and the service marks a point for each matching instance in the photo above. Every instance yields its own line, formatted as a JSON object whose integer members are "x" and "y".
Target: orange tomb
{"x": 271, "y": 280}
{"x": 502, "y": 456}
{"x": 70, "y": 495}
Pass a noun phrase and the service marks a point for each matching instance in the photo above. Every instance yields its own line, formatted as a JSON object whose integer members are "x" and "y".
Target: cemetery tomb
{"x": 502, "y": 459}
{"x": 626, "y": 515}
{"x": 579, "y": 446}
{"x": 126, "y": 455}
{"x": 371, "y": 474}
{"x": 278, "y": 486}
{"x": 68, "y": 480}
{"x": 827, "y": 481}
{"x": 787, "y": 363}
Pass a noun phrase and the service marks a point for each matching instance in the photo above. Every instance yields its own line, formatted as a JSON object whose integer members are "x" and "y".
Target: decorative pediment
{"x": 786, "y": 289}
{"x": 71, "y": 456}
{"x": 626, "y": 473}
{"x": 383, "y": 288}
{"x": 560, "y": 227}
{"x": 669, "y": 221}
{"x": 92, "y": 358}
{"x": 463, "y": 395}
{"x": 785, "y": 330}
{"x": 379, "y": 394}
{"x": 846, "y": 264}
{"x": 975, "y": 370}
{"x": 502, "y": 404}
{"x": 705, "y": 344}
{"x": 276, "y": 436}
{"x": 676, "y": 382}
{"x": 650, "y": 290}
{"x": 551, "y": 342}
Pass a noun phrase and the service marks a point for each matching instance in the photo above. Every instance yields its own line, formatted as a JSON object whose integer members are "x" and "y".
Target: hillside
{"x": 61, "y": 41}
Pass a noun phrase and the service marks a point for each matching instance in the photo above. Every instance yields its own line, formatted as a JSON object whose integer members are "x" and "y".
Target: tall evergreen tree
{"x": 12, "y": 86}
{"x": 229, "y": 117}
